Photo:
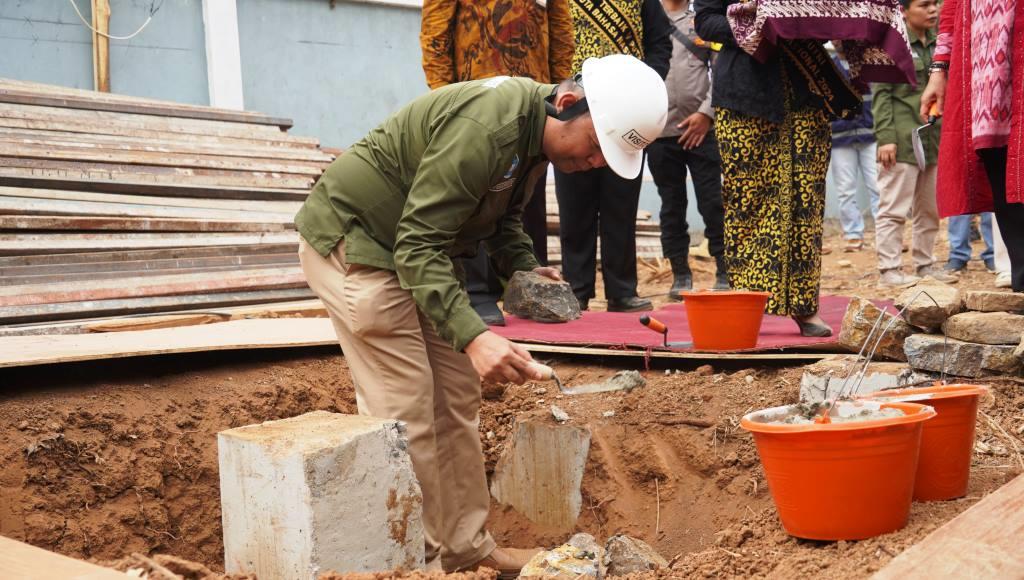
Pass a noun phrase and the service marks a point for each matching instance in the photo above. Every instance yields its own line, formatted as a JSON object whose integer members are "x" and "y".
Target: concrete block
{"x": 965, "y": 359}
{"x": 824, "y": 379}
{"x": 319, "y": 492}
{"x": 540, "y": 472}
{"x": 985, "y": 327}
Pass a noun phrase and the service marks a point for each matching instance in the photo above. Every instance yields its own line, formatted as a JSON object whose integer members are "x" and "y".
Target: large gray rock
{"x": 965, "y": 359}
{"x": 985, "y": 327}
{"x": 929, "y": 313}
{"x": 578, "y": 559}
{"x": 626, "y": 555}
{"x": 824, "y": 379}
{"x": 530, "y": 295}
{"x": 983, "y": 301}
{"x": 860, "y": 315}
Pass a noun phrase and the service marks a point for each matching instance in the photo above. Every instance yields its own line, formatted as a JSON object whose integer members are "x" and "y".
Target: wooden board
{"x": 986, "y": 541}
{"x": 151, "y": 322}
{"x": 146, "y": 255}
{"x": 24, "y": 562}
{"x": 135, "y": 224}
{"x": 122, "y": 306}
{"x": 250, "y": 205}
{"x": 137, "y": 187}
{"x": 234, "y": 335}
{"x": 246, "y": 334}
{"x": 29, "y": 243}
{"x": 29, "y": 206}
{"x": 224, "y": 281}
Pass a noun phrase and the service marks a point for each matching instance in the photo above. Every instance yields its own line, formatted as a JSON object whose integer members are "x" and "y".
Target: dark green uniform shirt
{"x": 443, "y": 173}
{"x": 897, "y": 108}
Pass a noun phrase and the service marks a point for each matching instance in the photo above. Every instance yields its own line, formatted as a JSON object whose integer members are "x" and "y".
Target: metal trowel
{"x": 915, "y": 138}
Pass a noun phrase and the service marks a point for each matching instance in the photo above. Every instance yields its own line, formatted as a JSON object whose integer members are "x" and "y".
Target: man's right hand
{"x": 498, "y": 359}
{"x": 887, "y": 155}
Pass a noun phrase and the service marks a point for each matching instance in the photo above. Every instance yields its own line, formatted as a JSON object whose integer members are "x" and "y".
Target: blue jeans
{"x": 848, "y": 162}
{"x": 960, "y": 237}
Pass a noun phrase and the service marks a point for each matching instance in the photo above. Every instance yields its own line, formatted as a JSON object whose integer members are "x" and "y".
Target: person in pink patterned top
{"x": 977, "y": 84}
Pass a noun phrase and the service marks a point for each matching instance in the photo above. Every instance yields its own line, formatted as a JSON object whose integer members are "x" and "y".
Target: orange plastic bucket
{"x": 947, "y": 441}
{"x": 841, "y": 481}
{"x": 725, "y": 320}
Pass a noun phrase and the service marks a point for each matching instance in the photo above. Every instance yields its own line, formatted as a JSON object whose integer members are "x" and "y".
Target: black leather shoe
{"x": 631, "y": 304}
{"x": 490, "y": 313}
{"x": 680, "y": 283}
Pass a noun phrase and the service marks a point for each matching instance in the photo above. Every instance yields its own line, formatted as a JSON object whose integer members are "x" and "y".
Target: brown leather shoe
{"x": 507, "y": 561}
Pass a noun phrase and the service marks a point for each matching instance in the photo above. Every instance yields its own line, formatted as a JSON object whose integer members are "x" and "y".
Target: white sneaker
{"x": 897, "y": 279}
{"x": 1003, "y": 280}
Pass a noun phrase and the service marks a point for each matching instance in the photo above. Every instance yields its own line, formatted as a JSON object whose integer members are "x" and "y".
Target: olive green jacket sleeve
{"x": 882, "y": 111}
{"x": 454, "y": 174}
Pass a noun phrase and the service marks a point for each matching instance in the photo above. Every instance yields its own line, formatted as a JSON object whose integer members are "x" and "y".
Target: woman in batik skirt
{"x": 772, "y": 121}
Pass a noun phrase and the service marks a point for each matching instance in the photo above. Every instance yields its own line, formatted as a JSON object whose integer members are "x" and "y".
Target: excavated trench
{"x": 107, "y": 459}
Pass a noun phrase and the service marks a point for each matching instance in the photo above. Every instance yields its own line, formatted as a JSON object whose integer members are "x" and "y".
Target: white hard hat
{"x": 629, "y": 104}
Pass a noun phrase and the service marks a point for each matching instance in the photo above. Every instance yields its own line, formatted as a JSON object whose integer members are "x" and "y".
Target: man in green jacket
{"x": 379, "y": 231}
{"x": 904, "y": 188}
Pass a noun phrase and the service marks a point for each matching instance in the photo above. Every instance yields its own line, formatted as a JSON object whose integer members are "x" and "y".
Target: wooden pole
{"x": 101, "y": 45}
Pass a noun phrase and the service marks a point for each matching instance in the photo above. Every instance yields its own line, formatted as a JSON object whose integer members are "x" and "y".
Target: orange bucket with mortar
{"x": 729, "y": 320}
{"x": 947, "y": 441}
{"x": 842, "y": 480}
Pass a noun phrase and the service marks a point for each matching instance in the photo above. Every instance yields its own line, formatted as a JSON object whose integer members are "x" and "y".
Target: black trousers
{"x": 1009, "y": 215}
{"x": 592, "y": 203}
{"x": 482, "y": 282}
{"x": 668, "y": 162}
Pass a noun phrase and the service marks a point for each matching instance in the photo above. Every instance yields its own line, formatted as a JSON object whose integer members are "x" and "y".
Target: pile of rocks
{"x": 969, "y": 334}
{"x": 582, "y": 558}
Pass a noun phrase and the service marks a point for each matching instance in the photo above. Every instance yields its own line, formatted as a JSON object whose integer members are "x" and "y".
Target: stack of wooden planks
{"x": 648, "y": 232}
{"x": 113, "y": 205}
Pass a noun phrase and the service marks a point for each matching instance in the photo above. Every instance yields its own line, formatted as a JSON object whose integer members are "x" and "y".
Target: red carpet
{"x": 622, "y": 330}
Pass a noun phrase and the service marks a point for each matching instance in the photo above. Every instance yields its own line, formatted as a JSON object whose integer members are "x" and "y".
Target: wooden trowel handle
{"x": 546, "y": 373}
{"x": 654, "y": 324}
{"x": 933, "y": 113}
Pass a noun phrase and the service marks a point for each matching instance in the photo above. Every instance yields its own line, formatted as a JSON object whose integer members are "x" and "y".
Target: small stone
{"x": 705, "y": 370}
{"x": 626, "y": 555}
{"x": 858, "y": 321}
{"x": 986, "y": 327}
{"x": 668, "y": 372}
{"x": 23, "y": 425}
{"x": 489, "y": 435}
{"x": 579, "y": 558}
{"x": 608, "y": 414}
{"x": 994, "y": 301}
{"x": 559, "y": 414}
{"x": 929, "y": 303}
{"x": 530, "y": 295}
{"x": 749, "y": 379}
{"x": 844, "y": 264}
{"x": 540, "y": 391}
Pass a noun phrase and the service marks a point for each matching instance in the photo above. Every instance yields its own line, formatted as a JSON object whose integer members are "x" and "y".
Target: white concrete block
{"x": 825, "y": 378}
{"x": 540, "y": 473}
{"x": 319, "y": 492}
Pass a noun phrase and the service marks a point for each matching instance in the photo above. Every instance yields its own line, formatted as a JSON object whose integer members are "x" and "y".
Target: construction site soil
{"x": 107, "y": 459}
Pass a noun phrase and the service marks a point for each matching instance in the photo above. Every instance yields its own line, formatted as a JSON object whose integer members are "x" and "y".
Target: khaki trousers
{"x": 905, "y": 191}
{"x": 403, "y": 370}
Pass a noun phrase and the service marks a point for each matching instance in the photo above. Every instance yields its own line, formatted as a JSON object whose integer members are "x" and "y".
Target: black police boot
{"x": 721, "y": 274}
{"x": 630, "y": 304}
{"x": 682, "y": 278}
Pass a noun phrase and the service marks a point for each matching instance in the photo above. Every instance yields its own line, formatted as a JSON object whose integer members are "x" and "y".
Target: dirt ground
{"x": 110, "y": 458}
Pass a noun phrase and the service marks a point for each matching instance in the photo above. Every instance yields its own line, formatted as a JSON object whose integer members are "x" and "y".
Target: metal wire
{"x": 878, "y": 341}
